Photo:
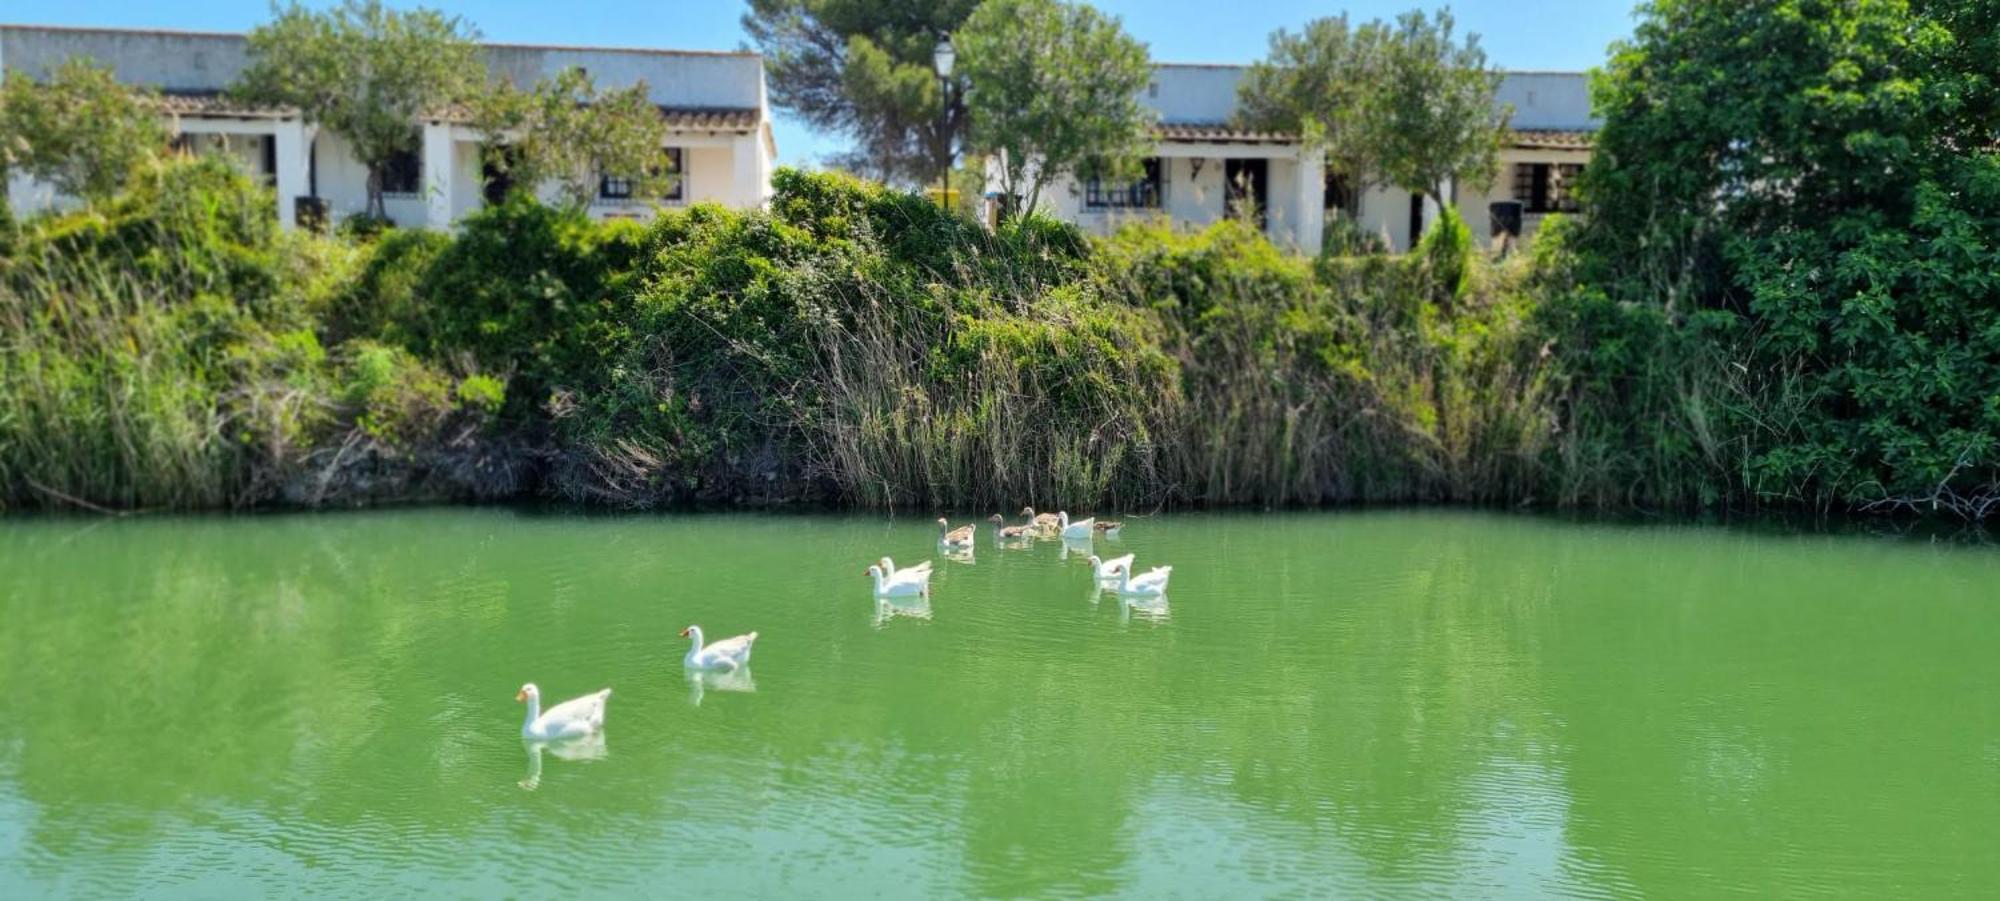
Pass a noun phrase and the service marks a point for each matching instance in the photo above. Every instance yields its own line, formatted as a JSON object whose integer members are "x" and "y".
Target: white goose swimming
{"x": 1151, "y": 583}
{"x": 920, "y": 570}
{"x": 729, "y": 653}
{"x": 892, "y": 582}
{"x": 1110, "y": 570}
{"x": 570, "y": 719}
{"x": 1082, "y": 528}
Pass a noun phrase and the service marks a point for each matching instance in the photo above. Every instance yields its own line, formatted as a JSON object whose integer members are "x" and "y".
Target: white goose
{"x": 922, "y": 570}
{"x": 573, "y": 718}
{"x": 728, "y": 654}
{"x": 891, "y": 582}
{"x": 1082, "y": 528}
{"x": 1151, "y": 583}
{"x": 1110, "y": 570}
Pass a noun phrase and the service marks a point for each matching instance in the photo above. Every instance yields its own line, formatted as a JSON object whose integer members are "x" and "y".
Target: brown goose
{"x": 949, "y": 537}
{"x": 1041, "y": 522}
{"x": 1008, "y": 533}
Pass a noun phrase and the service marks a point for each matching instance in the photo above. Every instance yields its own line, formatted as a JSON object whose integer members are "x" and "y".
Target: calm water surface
{"x": 1355, "y": 703}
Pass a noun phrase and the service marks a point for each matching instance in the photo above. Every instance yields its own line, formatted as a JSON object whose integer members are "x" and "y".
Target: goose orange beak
{"x": 520, "y": 696}
{"x": 684, "y": 633}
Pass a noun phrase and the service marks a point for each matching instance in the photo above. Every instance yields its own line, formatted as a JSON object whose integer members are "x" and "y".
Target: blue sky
{"x": 1553, "y": 34}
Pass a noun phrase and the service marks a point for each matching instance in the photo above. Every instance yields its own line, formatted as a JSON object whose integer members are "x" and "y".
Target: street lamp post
{"x": 942, "y": 58}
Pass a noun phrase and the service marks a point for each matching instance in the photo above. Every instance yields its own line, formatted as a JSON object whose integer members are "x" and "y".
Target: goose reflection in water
{"x": 1076, "y": 547}
{"x": 887, "y": 608}
{"x": 958, "y": 555}
{"x": 1152, "y": 608}
{"x": 701, "y": 682}
{"x": 588, "y": 747}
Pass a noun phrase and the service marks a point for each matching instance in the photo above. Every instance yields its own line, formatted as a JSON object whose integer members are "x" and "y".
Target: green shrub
{"x": 531, "y": 291}
{"x": 1446, "y": 250}
{"x": 385, "y": 299}
{"x": 392, "y": 396}
{"x": 157, "y": 349}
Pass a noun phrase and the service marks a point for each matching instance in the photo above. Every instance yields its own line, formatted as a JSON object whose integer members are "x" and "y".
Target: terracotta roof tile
{"x": 1553, "y": 139}
{"x": 217, "y": 104}
{"x": 711, "y": 118}
{"x": 1218, "y": 132}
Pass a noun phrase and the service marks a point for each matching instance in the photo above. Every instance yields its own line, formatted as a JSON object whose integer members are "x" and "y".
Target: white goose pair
{"x": 578, "y": 717}
{"x": 1116, "y": 573}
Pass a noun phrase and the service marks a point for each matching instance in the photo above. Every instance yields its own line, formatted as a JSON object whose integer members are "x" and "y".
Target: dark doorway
{"x": 1337, "y": 194}
{"x": 1416, "y": 218}
{"x": 498, "y": 179}
{"x": 1248, "y": 191}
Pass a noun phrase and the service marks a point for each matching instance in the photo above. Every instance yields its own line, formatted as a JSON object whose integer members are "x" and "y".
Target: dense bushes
{"x": 165, "y": 349}
{"x": 854, "y": 345}
{"x": 1786, "y": 292}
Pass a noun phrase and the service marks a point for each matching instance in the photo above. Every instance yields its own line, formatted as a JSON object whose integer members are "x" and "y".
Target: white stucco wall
{"x": 1548, "y": 100}
{"x": 728, "y": 167}
{"x": 1184, "y": 92}
{"x": 1206, "y": 94}
{"x": 1192, "y": 197}
{"x": 673, "y": 78}
{"x": 1473, "y": 203}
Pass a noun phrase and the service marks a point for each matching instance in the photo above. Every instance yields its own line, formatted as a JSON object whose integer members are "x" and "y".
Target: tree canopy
{"x": 563, "y": 130}
{"x": 1401, "y": 102}
{"x": 1054, "y": 90}
{"x": 365, "y": 72}
{"x": 1820, "y": 178}
{"x": 80, "y": 130}
{"x": 864, "y": 68}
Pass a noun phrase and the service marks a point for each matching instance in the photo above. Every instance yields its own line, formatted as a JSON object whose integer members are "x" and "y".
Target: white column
{"x": 749, "y": 179}
{"x": 1311, "y": 199}
{"x": 438, "y": 169}
{"x": 293, "y": 154}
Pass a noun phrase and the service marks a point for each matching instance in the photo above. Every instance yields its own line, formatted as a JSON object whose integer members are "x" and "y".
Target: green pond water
{"x": 1381, "y": 703}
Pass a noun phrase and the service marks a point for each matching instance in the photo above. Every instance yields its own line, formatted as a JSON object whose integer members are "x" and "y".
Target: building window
{"x": 620, "y": 189}
{"x": 403, "y": 173}
{"x": 1337, "y": 194}
{"x": 1546, "y": 187}
{"x": 1144, "y": 193}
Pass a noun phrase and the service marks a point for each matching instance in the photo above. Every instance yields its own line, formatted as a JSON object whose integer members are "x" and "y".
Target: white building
{"x": 1203, "y": 168}
{"x": 720, "y": 126}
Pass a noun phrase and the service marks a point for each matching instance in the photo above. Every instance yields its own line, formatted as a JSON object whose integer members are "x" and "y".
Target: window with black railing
{"x": 1141, "y": 194}
{"x": 1547, "y": 187}
{"x": 617, "y": 189}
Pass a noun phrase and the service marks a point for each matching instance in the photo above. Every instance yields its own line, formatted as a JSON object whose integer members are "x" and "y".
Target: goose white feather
{"x": 922, "y": 569}
{"x": 573, "y": 718}
{"x": 1151, "y": 583}
{"x": 892, "y": 582}
{"x": 1081, "y": 528}
{"x": 1109, "y": 570}
{"x": 727, "y": 654}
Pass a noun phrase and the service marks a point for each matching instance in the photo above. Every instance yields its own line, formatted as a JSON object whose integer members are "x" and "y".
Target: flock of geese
{"x": 583, "y": 717}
